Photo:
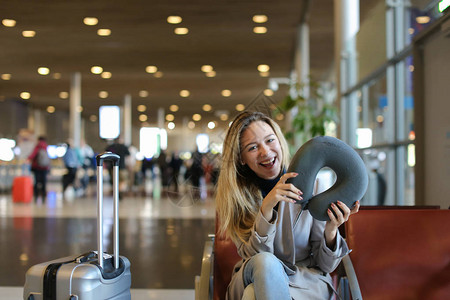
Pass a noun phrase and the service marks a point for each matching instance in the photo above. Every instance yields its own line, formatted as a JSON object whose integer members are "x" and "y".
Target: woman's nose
{"x": 264, "y": 150}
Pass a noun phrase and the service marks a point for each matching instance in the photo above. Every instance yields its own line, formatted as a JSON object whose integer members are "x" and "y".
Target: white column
{"x": 347, "y": 25}
{"x": 75, "y": 103}
{"x": 160, "y": 118}
{"x": 127, "y": 117}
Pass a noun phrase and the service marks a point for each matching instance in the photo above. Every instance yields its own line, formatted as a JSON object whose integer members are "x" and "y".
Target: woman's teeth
{"x": 268, "y": 163}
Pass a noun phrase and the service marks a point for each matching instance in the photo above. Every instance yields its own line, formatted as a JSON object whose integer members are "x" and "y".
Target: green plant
{"x": 309, "y": 116}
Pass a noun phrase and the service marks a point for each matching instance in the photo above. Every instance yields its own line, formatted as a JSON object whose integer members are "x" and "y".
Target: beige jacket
{"x": 298, "y": 240}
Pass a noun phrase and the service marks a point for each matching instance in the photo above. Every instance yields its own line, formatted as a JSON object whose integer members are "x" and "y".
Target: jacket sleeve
{"x": 323, "y": 257}
{"x": 261, "y": 237}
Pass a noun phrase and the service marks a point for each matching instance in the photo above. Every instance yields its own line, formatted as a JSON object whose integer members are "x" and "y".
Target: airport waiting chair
{"x": 399, "y": 254}
{"x": 219, "y": 257}
{"x": 391, "y": 225}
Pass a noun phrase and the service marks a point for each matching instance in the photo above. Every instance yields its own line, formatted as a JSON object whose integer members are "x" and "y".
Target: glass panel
{"x": 410, "y": 161}
{"x": 380, "y": 181}
{"x": 409, "y": 100}
{"x": 372, "y": 110}
{"x": 371, "y": 37}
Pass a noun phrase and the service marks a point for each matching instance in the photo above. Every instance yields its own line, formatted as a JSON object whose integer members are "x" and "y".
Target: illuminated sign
{"x": 443, "y": 5}
{"x": 109, "y": 117}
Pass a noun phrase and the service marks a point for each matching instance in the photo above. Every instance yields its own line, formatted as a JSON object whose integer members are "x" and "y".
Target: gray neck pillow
{"x": 326, "y": 151}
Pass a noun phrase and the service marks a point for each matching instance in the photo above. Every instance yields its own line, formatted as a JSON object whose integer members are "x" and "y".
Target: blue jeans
{"x": 267, "y": 279}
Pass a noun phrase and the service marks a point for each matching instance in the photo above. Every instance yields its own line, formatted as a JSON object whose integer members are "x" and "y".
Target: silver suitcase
{"x": 87, "y": 276}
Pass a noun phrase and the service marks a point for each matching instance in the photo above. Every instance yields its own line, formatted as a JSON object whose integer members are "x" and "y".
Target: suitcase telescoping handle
{"x": 100, "y": 160}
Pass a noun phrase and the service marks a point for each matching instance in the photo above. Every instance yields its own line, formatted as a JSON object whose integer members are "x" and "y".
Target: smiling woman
{"x": 286, "y": 253}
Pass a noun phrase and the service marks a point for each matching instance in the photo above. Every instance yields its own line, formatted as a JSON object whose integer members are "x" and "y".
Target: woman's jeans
{"x": 265, "y": 278}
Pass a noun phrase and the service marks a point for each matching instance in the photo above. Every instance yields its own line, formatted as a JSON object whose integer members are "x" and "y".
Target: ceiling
{"x": 220, "y": 35}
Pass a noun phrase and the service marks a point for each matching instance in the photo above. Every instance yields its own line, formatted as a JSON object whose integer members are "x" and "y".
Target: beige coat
{"x": 298, "y": 240}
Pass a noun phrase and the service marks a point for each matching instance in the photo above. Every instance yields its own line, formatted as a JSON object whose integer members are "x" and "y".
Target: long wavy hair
{"x": 238, "y": 199}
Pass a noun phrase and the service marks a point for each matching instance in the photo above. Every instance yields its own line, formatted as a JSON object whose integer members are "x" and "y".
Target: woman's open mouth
{"x": 268, "y": 163}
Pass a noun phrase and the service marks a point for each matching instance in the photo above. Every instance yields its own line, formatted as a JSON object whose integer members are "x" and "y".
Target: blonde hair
{"x": 238, "y": 199}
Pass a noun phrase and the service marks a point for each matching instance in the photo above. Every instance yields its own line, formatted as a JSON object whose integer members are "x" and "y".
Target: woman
{"x": 286, "y": 253}
{"x": 40, "y": 165}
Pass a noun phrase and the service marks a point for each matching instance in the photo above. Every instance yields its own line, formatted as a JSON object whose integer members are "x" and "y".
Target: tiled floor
{"x": 162, "y": 236}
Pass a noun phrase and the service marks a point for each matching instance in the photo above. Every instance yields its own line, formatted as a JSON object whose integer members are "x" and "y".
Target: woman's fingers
{"x": 355, "y": 208}
{"x": 286, "y": 176}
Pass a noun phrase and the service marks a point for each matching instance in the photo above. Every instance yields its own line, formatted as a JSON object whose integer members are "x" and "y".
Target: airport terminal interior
{"x": 159, "y": 82}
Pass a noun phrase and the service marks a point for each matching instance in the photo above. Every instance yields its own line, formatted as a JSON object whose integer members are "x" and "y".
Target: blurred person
{"x": 86, "y": 154}
{"x": 72, "y": 162}
{"x": 40, "y": 165}
{"x": 119, "y": 148}
{"x": 175, "y": 165}
{"x": 163, "y": 169}
{"x": 196, "y": 172}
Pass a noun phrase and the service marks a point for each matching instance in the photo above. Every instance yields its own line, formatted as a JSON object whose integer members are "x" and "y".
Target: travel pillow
{"x": 326, "y": 151}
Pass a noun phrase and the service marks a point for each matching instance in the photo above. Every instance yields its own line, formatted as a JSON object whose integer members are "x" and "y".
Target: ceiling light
{"x": 93, "y": 118}
{"x": 211, "y": 74}
{"x": 184, "y": 93}
{"x": 226, "y": 93}
{"x": 96, "y": 70}
{"x": 143, "y": 93}
{"x": 181, "y": 30}
{"x": 50, "y": 109}
{"x": 268, "y": 92}
{"x": 25, "y": 95}
{"x": 224, "y": 117}
{"x": 211, "y": 125}
{"x": 6, "y": 76}
{"x": 260, "y": 18}
{"x": 80, "y": 109}
{"x": 56, "y": 75}
{"x": 171, "y": 125}
{"x": 43, "y": 70}
{"x": 263, "y": 68}
{"x": 207, "y": 68}
{"x": 143, "y": 118}
{"x": 104, "y": 32}
{"x": 260, "y": 29}
{"x": 151, "y": 69}
{"x": 158, "y": 74}
{"x": 63, "y": 95}
{"x": 174, "y": 108}
{"x": 106, "y": 75}
{"x": 422, "y": 19}
{"x": 90, "y": 21}
{"x": 28, "y": 33}
{"x": 240, "y": 107}
{"x": 174, "y": 19}
{"x": 207, "y": 107}
{"x": 191, "y": 125}
{"x": 411, "y": 31}
{"x": 103, "y": 94}
{"x": 170, "y": 117}
{"x": 196, "y": 117}
{"x": 141, "y": 108}
{"x": 9, "y": 22}
{"x": 264, "y": 74}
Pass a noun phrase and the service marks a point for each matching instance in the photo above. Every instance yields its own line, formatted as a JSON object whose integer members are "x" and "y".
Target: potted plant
{"x": 309, "y": 115}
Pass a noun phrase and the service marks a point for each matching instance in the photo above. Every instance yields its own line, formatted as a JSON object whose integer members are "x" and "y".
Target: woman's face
{"x": 261, "y": 150}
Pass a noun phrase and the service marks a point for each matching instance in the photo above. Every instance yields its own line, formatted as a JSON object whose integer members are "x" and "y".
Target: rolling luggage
{"x": 87, "y": 276}
{"x": 22, "y": 189}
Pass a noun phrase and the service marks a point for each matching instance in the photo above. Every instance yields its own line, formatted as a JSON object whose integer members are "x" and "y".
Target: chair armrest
{"x": 352, "y": 279}
{"x": 203, "y": 283}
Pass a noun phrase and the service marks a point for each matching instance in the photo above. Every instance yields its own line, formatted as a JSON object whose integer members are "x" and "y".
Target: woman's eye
{"x": 251, "y": 148}
{"x": 270, "y": 140}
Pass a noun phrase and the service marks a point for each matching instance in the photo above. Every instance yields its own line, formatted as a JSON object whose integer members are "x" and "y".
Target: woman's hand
{"x": 282, "y": 191}
{"x": 341, "y": 215}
